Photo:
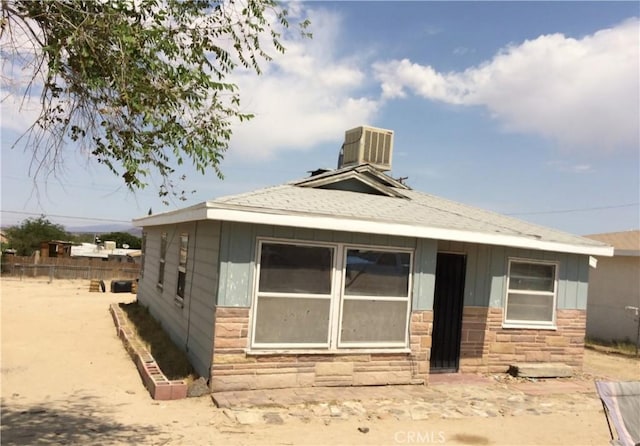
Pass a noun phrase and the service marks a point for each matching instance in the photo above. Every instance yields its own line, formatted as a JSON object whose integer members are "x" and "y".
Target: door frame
{"x": 447, "y": 345}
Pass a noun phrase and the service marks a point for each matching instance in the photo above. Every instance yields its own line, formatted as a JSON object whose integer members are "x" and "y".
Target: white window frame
{"x": 337, "y": 298}
{"x": 163, "y": 259}
{"x": 257, "y": 294}
{"x": 182, "y": 267}
{"x": 514, "y": 323}
{"x": 407, "y": 299}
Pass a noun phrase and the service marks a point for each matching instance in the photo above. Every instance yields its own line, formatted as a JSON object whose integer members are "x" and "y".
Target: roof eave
{"x": 192, "y": 213}
{"x": 626, "y": 252}
{"x": 399, "y": 229}
{"x": 241, "y": 214}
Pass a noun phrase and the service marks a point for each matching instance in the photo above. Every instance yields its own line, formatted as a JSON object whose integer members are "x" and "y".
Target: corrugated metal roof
{"x": 623, "y": 242}
{"x": 419, "y": 214}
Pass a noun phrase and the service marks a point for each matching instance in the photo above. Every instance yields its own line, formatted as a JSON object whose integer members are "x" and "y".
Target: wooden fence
{"x": 68, "y": 268}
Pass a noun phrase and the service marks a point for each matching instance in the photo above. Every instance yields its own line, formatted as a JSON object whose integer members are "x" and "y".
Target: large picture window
{"x": 331, "y": 296}
{"x": 531, "y": 294}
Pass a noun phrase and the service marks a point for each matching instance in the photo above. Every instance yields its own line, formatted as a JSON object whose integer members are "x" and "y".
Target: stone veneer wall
{"x": 234, "y": 369}
{"x": 487, "y": 347}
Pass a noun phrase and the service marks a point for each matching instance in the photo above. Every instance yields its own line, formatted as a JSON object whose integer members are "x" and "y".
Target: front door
{"x": 447, "y": 312}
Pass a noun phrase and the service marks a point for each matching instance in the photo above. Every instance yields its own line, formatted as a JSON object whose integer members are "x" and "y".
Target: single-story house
{"x": 614, "y": 289}
{"x": 350, "y": 277}
{"x": 55, "y": 248}
{"x": 106, "y": 251}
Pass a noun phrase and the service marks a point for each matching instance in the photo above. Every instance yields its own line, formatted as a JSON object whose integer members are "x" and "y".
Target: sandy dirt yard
{"x": 66, "y": 379}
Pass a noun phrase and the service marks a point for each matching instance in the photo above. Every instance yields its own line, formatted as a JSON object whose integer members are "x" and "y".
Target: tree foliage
{"x": 122, "y": 238}
{"x": 139, "y": 84}
{"x": 26, "y": 237}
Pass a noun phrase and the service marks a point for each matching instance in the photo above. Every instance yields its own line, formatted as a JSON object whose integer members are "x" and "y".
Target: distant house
{"x": 350, "y": 277}
{"x": 55, "y": 248}
{"x": 106, "y": 251}
{"x": 614, "y": 289}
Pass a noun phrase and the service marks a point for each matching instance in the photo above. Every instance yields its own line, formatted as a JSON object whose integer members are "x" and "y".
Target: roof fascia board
{"x": 398, "y": 229}
{"x": 193, "y": 213}
{"x": 627, "y": 252}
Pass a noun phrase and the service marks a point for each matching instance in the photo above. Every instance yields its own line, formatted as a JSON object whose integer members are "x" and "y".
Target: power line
{"x": 558, "y": 211}
{"x": 567, "y": 211}
{"x": 66, "y": 216}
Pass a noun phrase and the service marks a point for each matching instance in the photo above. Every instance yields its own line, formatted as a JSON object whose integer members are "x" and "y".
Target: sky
{"x": 530, "y": 109}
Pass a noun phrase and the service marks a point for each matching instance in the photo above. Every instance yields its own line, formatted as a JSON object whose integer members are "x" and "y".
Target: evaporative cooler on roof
{"x": 370, "y": 145}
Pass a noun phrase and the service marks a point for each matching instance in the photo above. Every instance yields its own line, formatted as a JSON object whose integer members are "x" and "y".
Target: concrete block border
{"x": 158, "y": 385}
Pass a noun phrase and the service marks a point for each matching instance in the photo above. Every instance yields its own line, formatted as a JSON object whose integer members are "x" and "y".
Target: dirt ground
{"x": 66, "y": 379}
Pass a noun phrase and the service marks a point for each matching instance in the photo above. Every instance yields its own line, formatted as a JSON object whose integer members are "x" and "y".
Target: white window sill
{"x": 264, "y": 352}
{"x": 529, "y": 326}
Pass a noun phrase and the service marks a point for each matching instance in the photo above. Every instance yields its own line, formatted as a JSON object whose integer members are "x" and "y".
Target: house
{"x": 106, "y": 251}
{"x": 614, "y": 289}
{"x": 350, "y": 277}
{"x": 55, "y": 248}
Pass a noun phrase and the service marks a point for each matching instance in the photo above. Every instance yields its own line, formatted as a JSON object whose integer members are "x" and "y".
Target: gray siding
{"x": 238, "y": 252}
{"x": 191, "y": 325}
{"x": 487, "y": 268}
{"x": 424, "y": 274}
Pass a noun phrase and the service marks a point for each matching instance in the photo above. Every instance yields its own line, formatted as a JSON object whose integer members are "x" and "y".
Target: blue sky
{"x": 528, "y": 109}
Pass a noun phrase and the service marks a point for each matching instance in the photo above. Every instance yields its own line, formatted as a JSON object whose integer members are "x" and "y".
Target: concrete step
{"x": 540, "y": 370}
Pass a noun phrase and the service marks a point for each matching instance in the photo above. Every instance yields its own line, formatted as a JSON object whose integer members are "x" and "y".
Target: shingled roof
{"x": 624, "y": 243}
{"x": 362, "y": 199}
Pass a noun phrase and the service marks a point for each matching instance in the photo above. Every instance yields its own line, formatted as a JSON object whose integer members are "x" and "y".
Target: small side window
{"x": 163, "y": 257}
{"x": 182, "y": 266}
{"x": 531, "y": 294}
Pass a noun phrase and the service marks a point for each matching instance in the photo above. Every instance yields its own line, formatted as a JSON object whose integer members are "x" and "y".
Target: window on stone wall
{"x": 531, "y": 294}
{"x": 163, "y": 257}
{"x": 375, "y": 304}
{"x": 330, "y": 296}
{"x": 182, "y": 266}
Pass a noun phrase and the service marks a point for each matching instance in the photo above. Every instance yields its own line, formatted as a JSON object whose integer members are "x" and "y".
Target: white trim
{"x": 527, "y": 325}
{"x": 257, "y": 293}
{"x": 407, "y": 299}
{"x": 399, "y": 229}
{"x": 343, "y": 351}
{"x": 216, "y": 211}
{"x": 515, "y": 323}
{"x": 294, "y": 295}
{"x": 337, "y": 298}
{"x": 382, "y": 298}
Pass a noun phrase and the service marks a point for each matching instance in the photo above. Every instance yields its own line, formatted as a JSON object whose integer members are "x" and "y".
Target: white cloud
{"x": 305, "y": 97}
{"x": 582, "y": 93}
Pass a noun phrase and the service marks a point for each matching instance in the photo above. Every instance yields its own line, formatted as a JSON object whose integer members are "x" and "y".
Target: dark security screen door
{"x": 447, "y": 312}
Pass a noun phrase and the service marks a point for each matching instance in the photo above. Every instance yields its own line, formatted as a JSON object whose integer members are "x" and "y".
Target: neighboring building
{"x": 106, "y": 251}
{"x": 350, "y": 277}
{"x": 614, "y": 289}
{"x": 55, "y": 248}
